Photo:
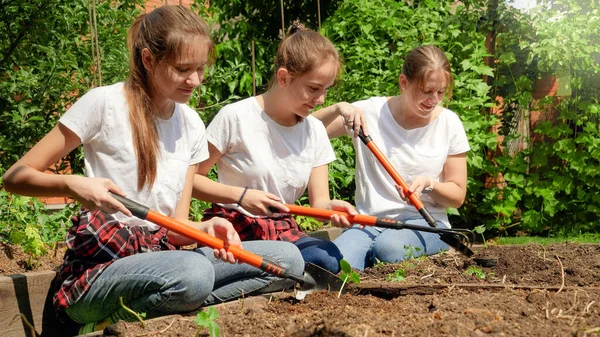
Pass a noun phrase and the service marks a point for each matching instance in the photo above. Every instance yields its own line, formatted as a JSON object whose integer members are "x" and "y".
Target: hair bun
{"x": 296, "y": 26}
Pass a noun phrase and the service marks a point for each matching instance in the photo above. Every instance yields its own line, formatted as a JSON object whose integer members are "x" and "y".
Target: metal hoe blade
{"x": 317, "y": 278}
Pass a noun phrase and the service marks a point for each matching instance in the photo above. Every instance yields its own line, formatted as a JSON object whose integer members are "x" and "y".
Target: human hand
{"x": 92, "y": 193}
{"x": 222, "y": 229}
{"x": 262, "y": 203}
{"x": 343, "y": 206}
{"x": 353, "y": 117}
{"x": 417, "y": 186}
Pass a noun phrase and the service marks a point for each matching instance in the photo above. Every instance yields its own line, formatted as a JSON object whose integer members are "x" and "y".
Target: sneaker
{"x": 95, "y": 326}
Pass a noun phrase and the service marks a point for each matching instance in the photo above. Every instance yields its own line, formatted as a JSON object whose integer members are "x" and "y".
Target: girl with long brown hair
{"x": 141, "y": 140}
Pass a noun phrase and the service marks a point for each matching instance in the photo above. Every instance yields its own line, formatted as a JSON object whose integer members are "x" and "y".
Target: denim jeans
{"x": 170, "y": 282}
{"x": 321, "y": 252}
{"x": 362, "y": 247}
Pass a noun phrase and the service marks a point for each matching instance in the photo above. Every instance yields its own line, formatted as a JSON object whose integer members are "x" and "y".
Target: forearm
{"x": 332, "y": 120}
{"x": 25, "y": 180}
{"x": 215, "y": 192}
{"x": 327, "y": 115}
{"x": 448, "y": 194}
{"x": 180, "y": 240}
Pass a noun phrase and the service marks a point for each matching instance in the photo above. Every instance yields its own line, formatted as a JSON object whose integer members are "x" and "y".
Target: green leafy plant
{"x": 475, "y": 271}
{"x": 397, "y": 276}
{"x": 347, "y": 274}
{"x": 208, "y": 319}
{"x": 411, "y": 251}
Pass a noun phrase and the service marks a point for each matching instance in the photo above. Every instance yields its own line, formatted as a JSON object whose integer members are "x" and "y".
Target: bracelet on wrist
{"x": 239, "y": 203}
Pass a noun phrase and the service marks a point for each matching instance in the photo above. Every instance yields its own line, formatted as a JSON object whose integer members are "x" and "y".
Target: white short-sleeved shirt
{"x": 416, "y": 152}
{"x": 101, "y": 121}
{"x": 259, "y": 153}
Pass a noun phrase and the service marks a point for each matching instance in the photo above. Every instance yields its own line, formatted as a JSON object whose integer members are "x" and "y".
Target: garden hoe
{"x": 314, "y": 277}
{"x": 454, "y": 236}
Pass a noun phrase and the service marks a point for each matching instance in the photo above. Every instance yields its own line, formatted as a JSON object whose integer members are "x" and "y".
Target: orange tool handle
{"x": 368, "y": 220}
{"x": 190, "y": 232}
{"x": 387, "y": 165}
{"x": 447, "y": 235}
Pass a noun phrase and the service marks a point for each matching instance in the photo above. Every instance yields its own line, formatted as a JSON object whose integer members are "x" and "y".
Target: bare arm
{"x": 254, "y": 201}
{"x": 451, "y": 192}
{"x": 216, "y": 227}
{"x": 318, "y": 196}
{"x": 27, "y": 177}
{"x": 339, "y": 115}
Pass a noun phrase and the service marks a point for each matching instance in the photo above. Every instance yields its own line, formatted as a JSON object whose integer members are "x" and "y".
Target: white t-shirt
{"x": 416, "y": 152}
{"x": 101, "y": 120}
{"x": 261, "y": 154}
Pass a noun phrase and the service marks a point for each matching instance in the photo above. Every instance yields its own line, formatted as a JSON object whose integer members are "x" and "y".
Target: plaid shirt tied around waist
{"x": 96, "y": 240}
{"x": 281, "y": 227}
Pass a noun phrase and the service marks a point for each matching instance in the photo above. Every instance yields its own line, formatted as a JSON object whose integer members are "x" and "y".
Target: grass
{"x": 521, "y": 240}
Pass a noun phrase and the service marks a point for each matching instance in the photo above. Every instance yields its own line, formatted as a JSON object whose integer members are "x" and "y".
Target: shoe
{"x": 95, "y": 326}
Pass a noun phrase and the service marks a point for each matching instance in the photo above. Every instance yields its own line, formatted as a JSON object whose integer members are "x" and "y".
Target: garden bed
{"x": 533, "y": 290}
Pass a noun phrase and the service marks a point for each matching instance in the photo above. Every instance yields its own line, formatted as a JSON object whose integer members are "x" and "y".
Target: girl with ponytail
{"x": 269, "y": 150}
{"x": 141, "y": 140}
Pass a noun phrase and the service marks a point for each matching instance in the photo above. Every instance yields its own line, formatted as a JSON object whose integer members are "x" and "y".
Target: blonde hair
{"x": 302, "y": 50}
{"x": 421, "y": 61}
{"x": 164, "y": 31}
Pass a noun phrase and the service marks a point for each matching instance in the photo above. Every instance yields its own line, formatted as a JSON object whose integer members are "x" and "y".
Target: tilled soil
{"x": 533, "y": 290}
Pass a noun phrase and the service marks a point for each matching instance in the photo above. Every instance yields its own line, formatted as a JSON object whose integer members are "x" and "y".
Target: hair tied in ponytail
{"x": 296, "y": 26}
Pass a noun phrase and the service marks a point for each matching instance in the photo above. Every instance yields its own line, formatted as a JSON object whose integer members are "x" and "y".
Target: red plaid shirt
{"x": 281, "y": 227}
{"x": 96, "y": 240}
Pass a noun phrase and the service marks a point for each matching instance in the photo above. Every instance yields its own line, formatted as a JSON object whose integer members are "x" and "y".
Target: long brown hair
{"x": 423, "y": 60}
{"x": 302, "y": 50}
{"x": 164, "y": 31}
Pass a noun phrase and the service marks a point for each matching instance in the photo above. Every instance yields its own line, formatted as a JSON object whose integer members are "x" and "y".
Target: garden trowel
{"x": 314, "y": 277}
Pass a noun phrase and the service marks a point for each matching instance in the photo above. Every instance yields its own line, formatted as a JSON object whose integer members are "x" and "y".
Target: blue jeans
{"x": 361, "y": 248}
{"x": 170, "y": 282}
{"x": 321, "y": 252}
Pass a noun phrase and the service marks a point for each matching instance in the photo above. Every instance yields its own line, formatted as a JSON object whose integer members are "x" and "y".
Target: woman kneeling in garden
{"x": 427, "y": 145}
{"x": 141, "y": 140}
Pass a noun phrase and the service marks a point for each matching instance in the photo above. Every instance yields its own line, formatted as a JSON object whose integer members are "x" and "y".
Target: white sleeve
{"x": 458, "y": 137}
{"x": 324, "y": 153}
{"x": 199, "y": 145}
{"x": 221, "y": 128}
{"x": 86, "y": 116}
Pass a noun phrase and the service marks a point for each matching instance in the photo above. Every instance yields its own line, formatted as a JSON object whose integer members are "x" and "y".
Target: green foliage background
{"x": 551, "y": 187}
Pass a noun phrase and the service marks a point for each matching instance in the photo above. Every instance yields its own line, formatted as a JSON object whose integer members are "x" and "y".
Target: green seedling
{"x": 478, "y": 272}
{"x": 140, "y": 317}
{"x": 397, "y": 276}
{"x": 208, "y": 319}
{"x": 480, "y": 230}
{"x": 411, "y": 251}
{"x": 347, "y": 274}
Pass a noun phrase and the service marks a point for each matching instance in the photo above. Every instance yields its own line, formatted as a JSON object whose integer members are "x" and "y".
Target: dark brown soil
{"x": 533, "y": 290}
{"x": 14, "y": 261}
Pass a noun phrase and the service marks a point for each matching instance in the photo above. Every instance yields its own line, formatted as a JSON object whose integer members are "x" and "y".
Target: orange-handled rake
{"x": 449, "y": 236}
{"x": 314, "y": 278}
{"x": 367, "y": 220}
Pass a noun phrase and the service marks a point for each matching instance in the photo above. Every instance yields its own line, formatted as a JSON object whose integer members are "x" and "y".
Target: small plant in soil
{"x": 476, "y": 271}
{"x": 208, "y": 319}
{"x": 411, "y": 251}
{"x": 139, "y": 316}
{"x": 397, "y": 276}
{"x": 347, "y": 274}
